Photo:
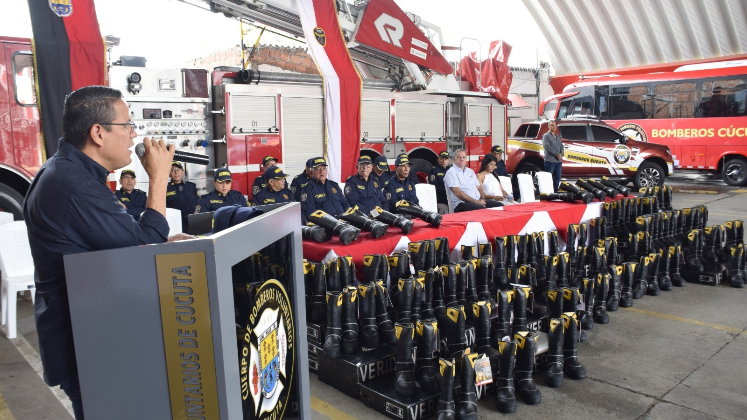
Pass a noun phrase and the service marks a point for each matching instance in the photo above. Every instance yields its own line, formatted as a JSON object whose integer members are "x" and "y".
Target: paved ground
{"x": 678, "y": 356}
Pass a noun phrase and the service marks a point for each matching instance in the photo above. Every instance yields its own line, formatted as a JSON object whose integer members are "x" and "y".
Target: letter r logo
{"x": 390, "y": 29}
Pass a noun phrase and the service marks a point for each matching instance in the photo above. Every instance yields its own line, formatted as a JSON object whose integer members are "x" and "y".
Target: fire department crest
{"x": 347, "y": 189}
{"x": 376, "y": 185}
{"x": 255, "y": 190}
{"x": 634, "y": 131}
{"x": 334, "y": 190}
{"x": 320, "y": 37}
{"x": 62, "y": 8}
{"x": 303, "y": 196}
{"x": 285, "y": 196}
{"x": 621, "y": 154}
{"x": 410, "y": 186}
{"x": 267, "y": 354}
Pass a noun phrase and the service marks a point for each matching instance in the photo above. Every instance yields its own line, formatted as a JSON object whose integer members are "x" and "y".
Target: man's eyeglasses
{"x": 131, "y": 125}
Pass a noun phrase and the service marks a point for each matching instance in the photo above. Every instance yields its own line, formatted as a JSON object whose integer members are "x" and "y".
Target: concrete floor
{"x": 678, "y": 356}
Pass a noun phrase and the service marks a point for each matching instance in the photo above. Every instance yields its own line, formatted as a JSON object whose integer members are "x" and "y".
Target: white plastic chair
{"x": 5, "y": 217}
{"x": 174, "y": 217}
{"x": 17, "y": 269}
{"x": 449, "y": 196}
{"x": 526, "y": 188}
{"x": 427, "y": 197}
{"x": 506, "y": 184}
{"x": 544, "y": 181}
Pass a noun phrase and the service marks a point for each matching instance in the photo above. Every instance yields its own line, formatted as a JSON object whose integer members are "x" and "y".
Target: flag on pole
{"x": 342, "y": 85}
{"x": 69, "y": 53}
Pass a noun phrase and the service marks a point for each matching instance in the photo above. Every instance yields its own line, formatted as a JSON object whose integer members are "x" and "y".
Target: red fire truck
{"x": 698, "y": 110}
{"x": 237, "y": 124}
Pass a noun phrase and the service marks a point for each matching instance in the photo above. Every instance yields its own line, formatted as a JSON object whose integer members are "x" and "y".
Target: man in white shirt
{"x": 466, "y": 192}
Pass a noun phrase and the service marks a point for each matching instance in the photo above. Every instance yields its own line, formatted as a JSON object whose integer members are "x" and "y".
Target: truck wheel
{"x": 525, "y": 168}
{"x": 734, "y": 172}
{"x": 11, "y": 201}
{"x": 648, "y": 175}
{"x": 420, "y": 168}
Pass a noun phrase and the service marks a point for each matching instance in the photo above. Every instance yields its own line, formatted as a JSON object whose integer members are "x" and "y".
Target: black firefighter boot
{"x": 562, "y": 271}
{"x": 641, "y": 278}
{"x": 425, "y": 362}
{"x": 404, "y": 379}
{"x": 554, "y": 357}
{"x": 448, "y": 273}
{"x": 555, "y": 302}
{"x": 442, "y": 253}
{"x": 430, "y": 254}
{"x": 454, "y": 328}
{"x": 601, "y": 287}
{"x": 417, "y": 297}
{"x": 512, "y": 243}
{"x": 482, "y": 312}
{"x": 550, "y": 282}
{"x": 349, "y": 343}
{"x": 403, "y": 301}
{"x": 469, "y": 252}
{"x": 406, "y": 207}
{"x": 709, "y": 250}
{"x": 570, "y": 243}
{"x": 633, "y": 247}
{"x": 393, "y": 220}
{"x": 418, "y": 251}
{"x": 583, "y": 234}
{"x": 369, "y": 333}
{"x": 553, "y": 244}
{"x": 675, "y": 254}
{"x": 439, "y": 307}
{"x": 333, "y": 333}
{"x": 570, "y": 299}
{"x": 347, "y": 271}
{"x": 587, "y": 315}
{"x": 318, "y": 293}
{"x": 665, "y": 261}
{"x": 399, "y": 268}
{"x": 626, "y": 290}
{"x": 347, "y": 233}
{"x": 466, "y": 408}
{"x": 526, "y": 344}
{"x": 482, "y": 280}
{"x": 522, "y": 256}
{"x": 356, "y": 218}
{"x": 334, "y": 284}
{"x": 505, "y": 396}
{"x": 372, "y": 268}
{"x": 501, "y": 327}
{"x": 445, "y": 406}
{"x": 736, "y": 260}
{"x": 653, "y": 275}
{"x": 608, "y": 213}
{"x": 461, "y": 282}
{"x": 426, "y": 308}
{"x": 500, "y": 278}
{"x": 471, "y": 290}
{"x": 571, "y": 365}
{"x": 521, "y": 295}
{"x": 386, "y": 328}
{"x": 615, "y": 293}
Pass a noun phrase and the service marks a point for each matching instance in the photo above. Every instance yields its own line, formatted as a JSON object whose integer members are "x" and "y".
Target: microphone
{"x": 180, "y": 156}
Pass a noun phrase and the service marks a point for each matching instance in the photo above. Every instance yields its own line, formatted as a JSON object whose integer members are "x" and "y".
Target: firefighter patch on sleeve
{"x": 197, "y": 209}
{"x": 293, "y": 189}
{"x": 388, "y": 196}
{"x": 432, "y": 178}
{"x": 347, "y": 189}
{"x": 285, "y": 196}
{"x": 334, "y": 190}
{"x": 376, "y": 185}
{"x": 303, "y": 197}
{"x": 255, "y": 190}
{"x": 410, "y": 186}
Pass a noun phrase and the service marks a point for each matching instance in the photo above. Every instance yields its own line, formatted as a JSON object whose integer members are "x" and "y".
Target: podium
{"x": 158, "y": 335}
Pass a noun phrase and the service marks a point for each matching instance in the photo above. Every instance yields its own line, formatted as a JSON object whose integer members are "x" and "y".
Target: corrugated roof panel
{"x": 588, "y": 35}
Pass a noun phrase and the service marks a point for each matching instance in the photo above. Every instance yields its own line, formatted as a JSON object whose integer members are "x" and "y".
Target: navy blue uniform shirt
{"x": 299, "y": 181}
{"x": 70, "y": 209}
{"x": 383, "y": 178}
{"x": 365, "y": 194}
{"x": 214, "y": 200}
{"x": 268, "y": 196}
{"x": 135, "y": 201}
{"x": 436, "y": 178}
{"x": 396, "y": 190}
{"x": 259, "y": 183}
{"x": 500, "y": 168}
{"x": 182, "y": 196}
{"x": 328, "y": 197}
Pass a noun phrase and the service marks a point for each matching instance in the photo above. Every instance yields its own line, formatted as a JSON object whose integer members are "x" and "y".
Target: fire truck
{"x": 237, "y": 116}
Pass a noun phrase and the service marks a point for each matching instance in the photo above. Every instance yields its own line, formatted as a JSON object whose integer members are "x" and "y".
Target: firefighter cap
{"x": 496, "y": 149}
{"x": 318, "y": 161}
{"x": 267, "y": 160}
{"x": 274, "y": 172}
{"x": 127, "y": 172}
{"x": 402, "y": 160}
{"x": 177, "y": 164}
{"x": 381, "y": 163}
{"x": 222, "y": 174}
{"x": 365, "y": 159}
{"x": 444, "y": 154}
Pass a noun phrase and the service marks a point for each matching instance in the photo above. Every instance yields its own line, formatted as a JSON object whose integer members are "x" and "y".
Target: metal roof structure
{"x": 591, "y": 35}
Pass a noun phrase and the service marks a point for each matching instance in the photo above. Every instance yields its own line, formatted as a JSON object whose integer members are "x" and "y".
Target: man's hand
{"x": 180, "y": 237}
{"x": 157, "y": 159}
{"x": 481, "y": 202}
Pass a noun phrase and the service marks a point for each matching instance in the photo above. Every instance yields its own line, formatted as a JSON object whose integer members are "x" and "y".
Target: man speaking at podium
{"x": 70, "y": 209}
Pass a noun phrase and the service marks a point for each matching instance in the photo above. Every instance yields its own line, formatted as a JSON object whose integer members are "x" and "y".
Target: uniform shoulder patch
{"x": 197, "y": 209}
{"x": 285, "y": 196}
{"x": 376, "y": 184}
{"x": 347, "y": 189}
{"x": 255, "y": 189}
{"x": 432, "y": 178}
{"x": 303, "y": 197}
{"x": 388, "y": 196}
{"x": 410, "y": 187}
{"x": 334, "y": 190}
{"x": 293, "y": 189}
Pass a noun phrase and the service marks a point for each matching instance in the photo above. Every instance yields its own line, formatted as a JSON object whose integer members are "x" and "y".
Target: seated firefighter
{"x": 260, "y": 182}
{"x": 132, "y": 199}
{"x": 275, "y": 191}
{"x": 400, "y": 186}
{"x": 222, "y": 196}
{"x": 363, "y": 190}
{"x": 322, "y": 193}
